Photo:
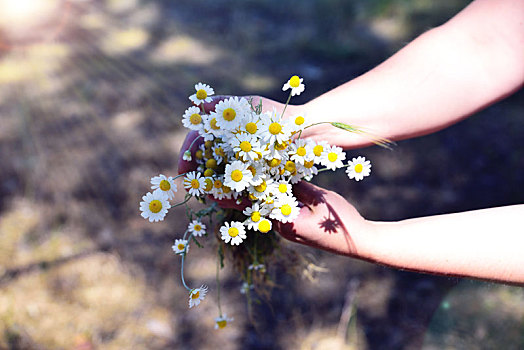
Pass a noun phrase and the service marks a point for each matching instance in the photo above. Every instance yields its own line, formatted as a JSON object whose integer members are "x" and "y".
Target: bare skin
{"x": 442, "y": 77}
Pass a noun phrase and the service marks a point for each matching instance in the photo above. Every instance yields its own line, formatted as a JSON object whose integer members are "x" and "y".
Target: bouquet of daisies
{"x": 253, "y": 157}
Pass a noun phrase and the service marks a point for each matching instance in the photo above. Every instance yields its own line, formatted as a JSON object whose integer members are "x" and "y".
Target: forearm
{"x": 441, "y": 77}
{"x": 486, "y": 244}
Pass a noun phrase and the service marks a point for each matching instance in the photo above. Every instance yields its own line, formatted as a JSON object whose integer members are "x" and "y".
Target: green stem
{"x": 182, "y": 261}
{"x": 192, "y": 143}
{"x": 287, "y": 103}
{"x": 326, "y": 169}
{"x": 181, "y": 203}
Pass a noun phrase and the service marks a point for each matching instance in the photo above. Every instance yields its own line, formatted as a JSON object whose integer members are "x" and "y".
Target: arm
{"x": 443, "y": 76}
{"x": 486, "y": 244}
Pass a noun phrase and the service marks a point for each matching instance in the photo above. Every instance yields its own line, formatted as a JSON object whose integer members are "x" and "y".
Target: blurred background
{"x": 91, "y": 97}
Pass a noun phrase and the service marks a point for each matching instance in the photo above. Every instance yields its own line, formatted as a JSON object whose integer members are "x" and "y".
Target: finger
{"x": 183, "y": 165}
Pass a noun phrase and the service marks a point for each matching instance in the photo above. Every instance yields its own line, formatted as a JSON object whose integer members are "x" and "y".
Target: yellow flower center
{"x": 165, "y": 185}
{"x": 294, "y": 81}
{"x": 233, "y": 231}
{"x": 280, "y": 146}
{"x": 290, "y": 166}
{"x": 332, "y": 156}
{"x": 211, "y": 163}
{"x": 226, "y": 189}
{"x": 217, "y": 184}
{"x": 301, "y": 151}
{"x": 181, "y": 246}
{"x": 209, "y": 184}
{"x": 255, "y": 216}
{"x": 259, "y": 156}
{"x": 251, "y": 128}
{"x": 262, "y": 187}
{"x": 264, "y": 226}
{"x": 299, "y": 120}
{"x": 252, "y": 169}
{"x": 275, "y": 128}
{"x": 208, "y": 144}
{"x": 229, "y": 114}
{"x": 199, "y": 154}
{"x": 221, "y": 324}
{"x": 201, "y": 94}
{"x": 195, "y": 184}
{"x": 274, "y": 162}
{"x": 195, "y": 295}
{"x": 309, "y": 165}
{"x": 155, "y": 206}
{"x": 219, "y": 151}
{"x": 236, "y": 175}
{"x": 197, "y": 227}
{"x": 358, "y": 168}
{"x": 209, "y": 172}
{"x": 245, "y": 146}
{"x": 285, "y": 209}
{"x": 252, "y": 197}
{"x": 318, "y": 149}
{"x": 282, "y": 188}
{"x": 213, "y": 123}
{"x": 195, "y": 119}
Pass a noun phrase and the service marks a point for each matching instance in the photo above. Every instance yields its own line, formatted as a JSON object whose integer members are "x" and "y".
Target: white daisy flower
{"x": 180, "y": 246}
{"x": 281, "y": 188}
{"x": 231, "y": 112}
{"x": 258, "y": 171}
{"x": 213, "y": 130}
{"x": 187, "y": 156}
{"x": 318, "y": 149}
{"x": 219, "y": 152}
{"x": 286, "y": 209}
{"x": 307, "y": 170}
{"x": 250, "y": 124}
{"x": 301, "y": 151}
{"x": 258, "y": 191}
{"x": 276, "y": 167}
{"x": 197, "y": 295}
{"x": 221, "y": 321}
{"x": 246, "y": 146}
{"x": 208, "y": 180}
{"x": 164, "y": 184}
{"x": 237, "y": 176}
{"x": 197, "y": 228}
{"x": 233, "y": 233}
{"x": 290, "y": 168}
{"x": 278, "y": 150}
{"x": 217, "y": 187}
{"x": 332, "y": 157}
{"x": 203, "y": 91}
{"x": 358, "y": 168}
{"x": 192, "y": 118}
{"x": 295, "y": 84}
{"x": 264, "y": 225}
{"x": 254, "y": 214}
{"x": 298, "y": 123}
{"x": 154, "y": 206}
{"x": 194, "y": 183}
{"x": 273, "y": 129}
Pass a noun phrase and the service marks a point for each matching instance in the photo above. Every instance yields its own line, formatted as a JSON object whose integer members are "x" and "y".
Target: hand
{"x": 326, "y": 221}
